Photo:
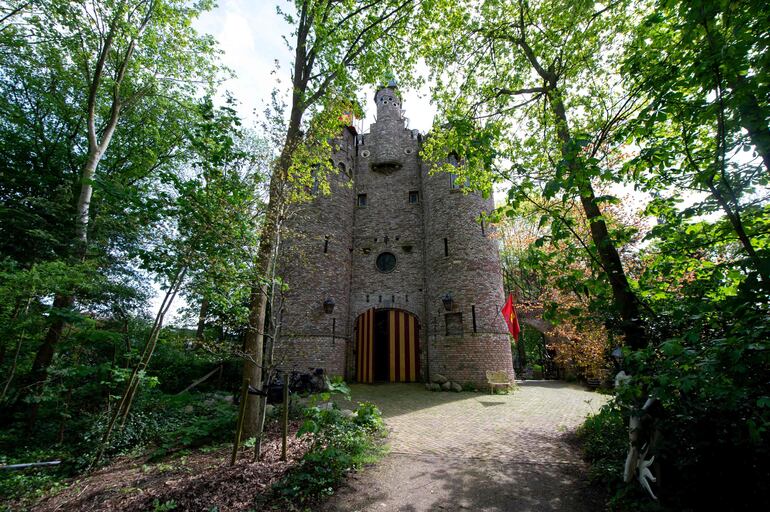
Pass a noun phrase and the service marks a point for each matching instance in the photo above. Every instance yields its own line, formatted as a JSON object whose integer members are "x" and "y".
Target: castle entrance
{"x": 387, "y": 346}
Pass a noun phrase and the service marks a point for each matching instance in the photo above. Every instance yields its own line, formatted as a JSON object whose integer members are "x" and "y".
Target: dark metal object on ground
{"x": 313, "y": 381}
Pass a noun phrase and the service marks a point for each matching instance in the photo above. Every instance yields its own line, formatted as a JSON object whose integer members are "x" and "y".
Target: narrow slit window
{"x": 414, "y": 197}
{"x": 326, "y": 244}
{"x": 361, "y": 200}
{"x": 446, "y": 247}
{"x": 380, "y": 298}
{"x": 392, "y": 298}
{"x": 473, "y": 315}
{"x": 367, "y": 298}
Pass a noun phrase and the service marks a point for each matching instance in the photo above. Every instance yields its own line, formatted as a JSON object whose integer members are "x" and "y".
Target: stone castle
{"x": 392, "y": 276}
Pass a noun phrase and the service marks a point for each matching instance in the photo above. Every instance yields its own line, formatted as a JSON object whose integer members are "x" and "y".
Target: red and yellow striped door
{"x": 403, "y": 346}
{"x": 365, "y": 347}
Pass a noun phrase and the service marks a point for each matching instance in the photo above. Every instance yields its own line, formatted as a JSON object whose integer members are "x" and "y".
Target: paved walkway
{"x": 475, "y": 451}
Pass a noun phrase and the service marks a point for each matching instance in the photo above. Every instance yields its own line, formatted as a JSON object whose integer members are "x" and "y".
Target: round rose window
{"x": 386, "y": 262}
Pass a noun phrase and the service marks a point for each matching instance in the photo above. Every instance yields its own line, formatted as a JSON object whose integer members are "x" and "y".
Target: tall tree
{"x": 119, "y": 54}
{"x": 533, "y": 83}
{"x": 705, "y": 71}
{"x": 338, "y": 46}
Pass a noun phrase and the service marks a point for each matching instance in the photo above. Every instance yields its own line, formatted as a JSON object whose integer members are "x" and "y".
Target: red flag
{"x": 509, "y": 313}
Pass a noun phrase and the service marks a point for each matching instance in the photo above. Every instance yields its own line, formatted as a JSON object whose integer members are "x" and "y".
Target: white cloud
{"x": 251, "y": 36}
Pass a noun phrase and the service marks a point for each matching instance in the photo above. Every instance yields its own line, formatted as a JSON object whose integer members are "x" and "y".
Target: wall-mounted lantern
{"x": 328, "y": 306}
{"x": 448, "y": 302}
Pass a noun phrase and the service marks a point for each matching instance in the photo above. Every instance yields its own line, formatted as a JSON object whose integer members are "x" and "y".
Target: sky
{"x": 250, "y": 35}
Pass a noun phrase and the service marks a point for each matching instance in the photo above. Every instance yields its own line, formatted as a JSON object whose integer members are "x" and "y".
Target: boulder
{"x": 439, "y": 379}
{"x": 435, "y": 387}
{"x": 446, "y": 386}
{"x": 347, "y": 413}
{"x": 456, "y": 387}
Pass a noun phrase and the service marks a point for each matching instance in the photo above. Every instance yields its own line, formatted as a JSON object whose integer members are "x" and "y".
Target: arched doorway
{"x": 387, "y": 346}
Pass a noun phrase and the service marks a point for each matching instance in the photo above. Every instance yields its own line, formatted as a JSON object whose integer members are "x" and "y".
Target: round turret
{"x": 316, "y": 248}
{"x": 387, "y": 155}
{"x": 465, "y": 292}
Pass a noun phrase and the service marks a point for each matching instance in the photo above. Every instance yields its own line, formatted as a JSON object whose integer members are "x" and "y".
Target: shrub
{"x": 165, "y": 423}
{"x": 605, "y": 443}
{"x": 338, "y": 444}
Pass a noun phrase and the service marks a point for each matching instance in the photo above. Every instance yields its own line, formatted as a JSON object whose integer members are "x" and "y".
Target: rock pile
{"x": 440, "y": 383}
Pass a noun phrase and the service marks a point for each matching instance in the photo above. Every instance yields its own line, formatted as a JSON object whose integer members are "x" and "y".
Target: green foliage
{"x": 167, "y": 423}
{"x": 26, "y": 485}
{"x": 339, "y": 445}
{"x": 166, "y": 506}
{"x": 605, "y": 443}
{"x": 668, "y": 98}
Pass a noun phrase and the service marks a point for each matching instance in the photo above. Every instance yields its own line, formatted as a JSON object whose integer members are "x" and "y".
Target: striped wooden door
{"x": 365, "y": 347}
{"x": 403, "y": 346}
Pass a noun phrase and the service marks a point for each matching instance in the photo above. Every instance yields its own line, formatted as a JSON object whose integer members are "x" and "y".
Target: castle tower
{"x": 465, "y": 291}
{"x": 388, "y": 242}
{"x": 314, "y": 261}
{"x": 390, "y": 246}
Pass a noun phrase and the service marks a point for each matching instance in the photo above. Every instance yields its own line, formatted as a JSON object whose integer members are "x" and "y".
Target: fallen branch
{"x": 202, "y": 379}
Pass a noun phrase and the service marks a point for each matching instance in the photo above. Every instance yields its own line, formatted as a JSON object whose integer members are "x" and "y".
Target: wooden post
{"x": 285, "y": 422}
{"x": 239, "y": 425}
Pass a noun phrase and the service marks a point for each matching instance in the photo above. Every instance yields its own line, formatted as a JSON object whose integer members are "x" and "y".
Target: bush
{"x": 339, "y": 444}
{"x": 713, "y": 451}
{"x": 28, "y": 484}
{"x": 167, "y": 423}
{"x": 604, "y": 436}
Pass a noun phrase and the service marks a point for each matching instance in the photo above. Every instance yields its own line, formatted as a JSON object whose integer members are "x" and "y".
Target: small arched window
{"x": 453, "y": 160}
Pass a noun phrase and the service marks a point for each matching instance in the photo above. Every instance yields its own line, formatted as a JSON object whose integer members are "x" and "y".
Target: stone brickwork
{"x": 391, "y": 203}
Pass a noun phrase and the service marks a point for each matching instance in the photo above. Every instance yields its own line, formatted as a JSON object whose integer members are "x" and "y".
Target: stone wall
{"x": 303, "y": 352}
{"x": 315, "y": 263}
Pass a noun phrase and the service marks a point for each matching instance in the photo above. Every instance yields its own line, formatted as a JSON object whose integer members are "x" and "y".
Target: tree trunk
{"x": 44, "y": 356}
{"x": 734, "y": 216}
{"x": 626, "y": 302}
{"x": 202, "y": 320}
{"x": 124, "y": 405}
{"x": 751, "y": 118}
{"x": 84, "y": 201}
{"x": 260, "y": 291}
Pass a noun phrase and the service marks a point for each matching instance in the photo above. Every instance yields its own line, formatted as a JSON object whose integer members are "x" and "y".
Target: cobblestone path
{"x": 475, "y": 451}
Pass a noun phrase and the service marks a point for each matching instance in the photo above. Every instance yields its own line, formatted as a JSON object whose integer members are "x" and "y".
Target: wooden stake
{"x": 239, "y": 425}
{"x": 285, "y": 423}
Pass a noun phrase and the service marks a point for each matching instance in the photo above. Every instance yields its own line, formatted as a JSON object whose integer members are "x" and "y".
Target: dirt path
{"x": 471, "y": 451}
